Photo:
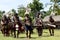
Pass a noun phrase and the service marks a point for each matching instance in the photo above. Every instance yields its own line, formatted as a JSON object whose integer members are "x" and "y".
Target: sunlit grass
{"x": 45, "y": 36}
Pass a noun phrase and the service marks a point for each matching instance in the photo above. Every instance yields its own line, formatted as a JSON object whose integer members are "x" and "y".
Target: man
{"x": 51, "y": 28}
{"x": 28, "y": 25}
{"x": 39, "y": 25}
{"x": 17, "y": 25}
{"x": 5, "y": 25}
{"x": 10, "y": 24}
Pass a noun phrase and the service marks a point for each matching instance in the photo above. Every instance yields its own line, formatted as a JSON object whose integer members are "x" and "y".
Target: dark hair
{"x": 38, "y": 15}
{"x": 15, "y": 14}
{"x": 27, "y": 15}
{"x": 5, "y": 17}
{"x": 29, "y": 18}
{"x": 51, "y": 19}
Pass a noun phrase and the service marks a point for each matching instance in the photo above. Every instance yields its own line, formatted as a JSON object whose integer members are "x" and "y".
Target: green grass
{"x": 45, "y": 36}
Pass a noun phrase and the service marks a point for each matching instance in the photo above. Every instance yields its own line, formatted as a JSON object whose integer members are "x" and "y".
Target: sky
{"x": 14, "y": 4}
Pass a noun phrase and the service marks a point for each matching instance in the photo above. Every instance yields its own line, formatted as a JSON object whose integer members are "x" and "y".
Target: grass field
{"x": 45, "y": 36}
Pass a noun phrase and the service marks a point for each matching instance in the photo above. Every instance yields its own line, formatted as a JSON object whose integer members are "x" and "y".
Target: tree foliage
{"x": 13, "y": 10}
{"x": 55, "y": 1}
{"x": 55, "y": 7}
{"x": 21, "y": 11}
{"x": 1, "y": 13}
{"x": 35, "y": 6}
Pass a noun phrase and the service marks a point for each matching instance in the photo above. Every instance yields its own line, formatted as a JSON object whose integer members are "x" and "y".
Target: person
{"x": 4, "y": 22}
{"x": 17, "y": 25}
{"x": 10, "y": 24}
{"x": 39, "y": 25}
{"x": 51, "y": 28}
{"x": 28, "y": 25}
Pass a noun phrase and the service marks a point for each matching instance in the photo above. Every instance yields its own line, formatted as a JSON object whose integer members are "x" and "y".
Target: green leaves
{"x": 35, "y": 6}
{"x": 1, "y": 13}
{"x": 21, "y": 11}
{"x": 55, "y": 1}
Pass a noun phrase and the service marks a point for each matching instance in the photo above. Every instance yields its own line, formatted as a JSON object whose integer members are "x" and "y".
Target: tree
{"x": 56, "y": 6}
{"x": 35, "y": 6}
{"x": 1, "y": 13}
{"x": 13, "y": 10}
{"x": 21, "y": 11}
{"x": 56, "y": 1}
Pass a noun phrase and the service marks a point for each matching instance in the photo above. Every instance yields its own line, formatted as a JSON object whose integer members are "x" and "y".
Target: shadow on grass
{"x": 30, "y": 38}
{"x": 34, "y": 37}
{"x": 22, "y": 37}
{"x": 46, "y": 36}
